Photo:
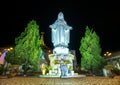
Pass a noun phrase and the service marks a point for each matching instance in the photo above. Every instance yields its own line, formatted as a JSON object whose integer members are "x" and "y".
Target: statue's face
{"x": 60, "y": 15}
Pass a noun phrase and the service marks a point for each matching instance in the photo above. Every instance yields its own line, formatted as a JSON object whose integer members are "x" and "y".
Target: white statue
{"x": 60, "y": 32}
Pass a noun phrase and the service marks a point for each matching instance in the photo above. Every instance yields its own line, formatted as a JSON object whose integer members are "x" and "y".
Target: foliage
{"x": 64, "y": 61}
{"x": 49, "y": 67}
{"x": 109, "y": 67}
{"x": 71, "y": 68}
{"x": 67, "y": 61}
{"x": 91, "y": 51}
{"x": 11, "y": 58}
{"x": 116, "y": 71}
{"x": 44, "y": 68}
{"x": 56, "y": 62}
{"x": 28, "y": 45}
{"x": 112, "y": 68}
{"x": 1, "y": 69}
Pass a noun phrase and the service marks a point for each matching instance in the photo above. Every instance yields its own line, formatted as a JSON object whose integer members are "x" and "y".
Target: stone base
{"x": 49, "y": 76}
{"x": 58, "y": 76}
{"x": 64, "y": 76}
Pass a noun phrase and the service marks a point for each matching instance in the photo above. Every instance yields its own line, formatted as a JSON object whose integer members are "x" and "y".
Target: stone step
{"x": 75, "y": 74}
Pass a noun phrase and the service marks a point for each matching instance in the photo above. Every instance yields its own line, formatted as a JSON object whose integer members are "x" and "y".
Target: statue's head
{"x": 60, "y": 15}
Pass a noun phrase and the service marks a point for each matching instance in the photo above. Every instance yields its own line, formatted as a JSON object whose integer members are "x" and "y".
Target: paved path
{"x": 58, "y": 81}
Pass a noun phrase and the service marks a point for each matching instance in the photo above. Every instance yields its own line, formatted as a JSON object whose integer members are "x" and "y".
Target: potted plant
{"x": 43, "y": 69}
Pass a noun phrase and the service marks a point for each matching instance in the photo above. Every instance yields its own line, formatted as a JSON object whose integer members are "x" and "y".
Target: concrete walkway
{"x": 89, "y": 80}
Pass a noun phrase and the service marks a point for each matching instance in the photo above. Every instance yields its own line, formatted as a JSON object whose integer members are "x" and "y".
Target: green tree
{"x": 28, "y": 45}
{"x": 91, "y": 51}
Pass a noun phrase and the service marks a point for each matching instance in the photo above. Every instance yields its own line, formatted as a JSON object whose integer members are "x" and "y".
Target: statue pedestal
{"x": 64, "y": 77}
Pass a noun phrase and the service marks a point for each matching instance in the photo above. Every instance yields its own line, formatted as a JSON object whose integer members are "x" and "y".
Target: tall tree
{"x": 91, "y": 51}
{"x": 28, "y": 45}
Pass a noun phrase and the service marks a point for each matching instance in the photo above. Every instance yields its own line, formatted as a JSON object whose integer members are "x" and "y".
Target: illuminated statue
{"x": 60, "y": 32}
{"x": 60, "y": 35}
{"x": 61, "y": 58}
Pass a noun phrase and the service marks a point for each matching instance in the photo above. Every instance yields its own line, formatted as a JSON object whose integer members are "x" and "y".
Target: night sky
{"x": 103, "y": 17}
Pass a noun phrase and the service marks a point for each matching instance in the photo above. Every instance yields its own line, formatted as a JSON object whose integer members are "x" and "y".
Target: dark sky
{"x": 103, "y": 17}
